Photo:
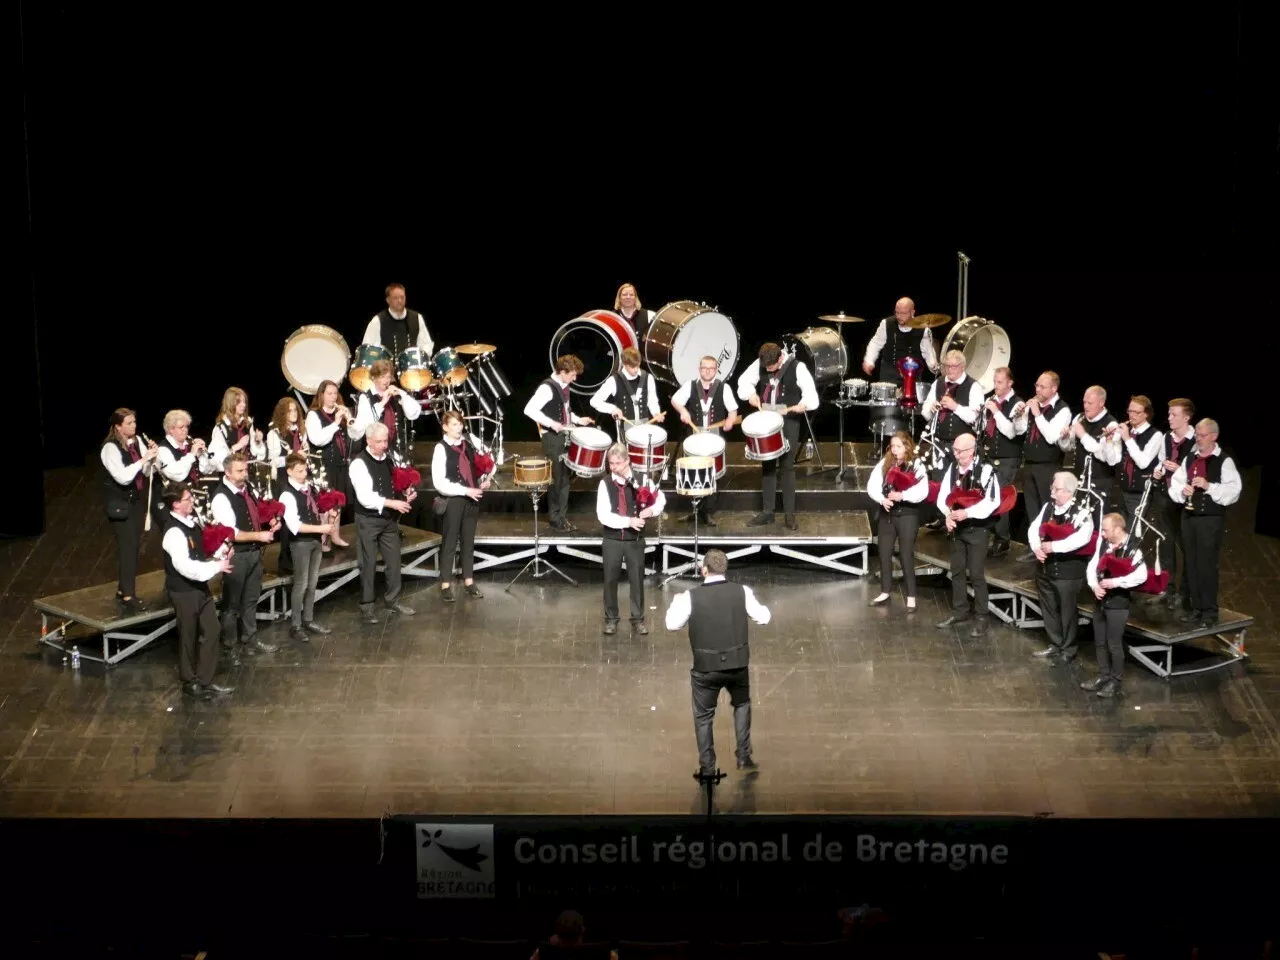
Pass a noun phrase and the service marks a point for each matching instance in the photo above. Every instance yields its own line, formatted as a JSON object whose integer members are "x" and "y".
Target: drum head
{"x": 823, "y": 351}
{"x": 985, "y": 347}
{"x": 590, "y": 437}
{"x": 682, "y": 334}
{"x": 704, "y": 445}
{"x": 646, "y": 433}
{"x": 761, "y": 423}
{"x": 313, "y": 354}
{"x": 597, "y": 338}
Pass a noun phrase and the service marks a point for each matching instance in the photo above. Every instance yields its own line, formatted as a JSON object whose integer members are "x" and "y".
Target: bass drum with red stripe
{"x": 597, "y": 338}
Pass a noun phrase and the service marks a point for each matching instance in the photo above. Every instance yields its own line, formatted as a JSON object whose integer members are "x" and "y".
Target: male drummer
{"x": 785, "y": 385}
{"x": 716, "y": 412}
{"x": 549, "y": 409}
{"x": 390, "y": 405}
{"x": 634, "y": 391}
{"x": 893, "y": 341}
{"x": 397, "y": 328}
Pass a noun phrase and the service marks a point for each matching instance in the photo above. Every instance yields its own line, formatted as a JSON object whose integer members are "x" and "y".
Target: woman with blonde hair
{"x": 233, "y": 430}
{"x": 898, "y": 484}
{"x": 626, "y": 303}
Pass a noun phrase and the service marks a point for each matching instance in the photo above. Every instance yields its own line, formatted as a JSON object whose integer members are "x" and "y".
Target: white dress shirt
{"x": 968, "y": 407}
{"x": 439, "y": 470}
{"x": 881, "y": 337}
{"x": 278, "y": 451}
{"x": 1053, "y": 429}
{"x": 600, "y": 399}
{"x": 1130, "y": 581}
{"x": 1006, "y": 426}
{"x": 607, "y": 497}
{"x": 362, "y": 484}
{"x": 373, "y": 332}
{"x": 685, "y": 394}
{"x": 541, "y": 397}
{"x": 1110, "y": 451}
{"x": 218, "y": 448}
{"x": 986, "y": 480}
{"x": 178, "y": 469}
{"x": 913, "y": 494}
{"x": 804, "y": 380}
{"x": 322, "y": 436}
{"x": 291, "y": 496}
{"x": 369, "y": 411}
{"x": 1224, "y": 493}
{"x": 122, "y": 473}
{"x": 220, "y": 504}
{"x": 1072, "y": 543}
{"x": 682, "y": 606}
{"x": 175, "y": 545}
{"x": 1144, "y": 447}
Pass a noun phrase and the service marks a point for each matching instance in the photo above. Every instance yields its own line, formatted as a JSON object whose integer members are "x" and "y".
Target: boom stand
{"x": 695, "y": 562}
{"x": 841, "y": 405}
{"x": 962, "y": 286}
{"x": 536, "y": 561}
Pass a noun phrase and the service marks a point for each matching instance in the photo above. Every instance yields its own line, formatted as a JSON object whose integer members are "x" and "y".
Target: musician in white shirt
{"x": 619, "y": 511}
{"x": 549, "y": 409}
{"x": 712, "y": 410}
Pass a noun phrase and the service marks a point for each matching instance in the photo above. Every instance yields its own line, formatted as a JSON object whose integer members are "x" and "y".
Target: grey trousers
{"x": 241, "y": 590}
{"x": 374, "y": 534}
{"x": 306, "y": 556}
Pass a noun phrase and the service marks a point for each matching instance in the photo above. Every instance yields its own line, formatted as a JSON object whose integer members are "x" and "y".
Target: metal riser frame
{"x": 1233, "y": 641}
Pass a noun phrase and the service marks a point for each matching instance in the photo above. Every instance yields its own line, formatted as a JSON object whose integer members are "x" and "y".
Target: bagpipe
{"x": 962, "y": 498}
{"x": 646, "y": 493}
{"x": 1081, "y": 510}
{"x": 1120, "y": 564}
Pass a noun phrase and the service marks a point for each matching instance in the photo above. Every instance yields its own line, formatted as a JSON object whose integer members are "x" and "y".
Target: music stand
{"x": 536, "y": 560}
{"x": 692, "y": 565}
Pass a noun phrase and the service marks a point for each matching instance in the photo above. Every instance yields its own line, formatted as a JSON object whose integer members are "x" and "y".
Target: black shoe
{"x": 979, "y": 628}
{"x": 314, "y": 627}
{"x": 1093, "y": 684}
{"x": 610, "y": 627}
{"x": 953, "y": 620}
{"x": 710, "y": 520}
{"x": 447, "y": 594}
{"x": 1047, "y": 653}
{"x": 748, "y": 765}
{"x": 259, "y": 646}
{"x": 637, "y": 626}
{"x": 1064, "y": 658}
{"x": 233, "y": 655}
{"x": 220, "y": 688}
{"x": 473, "y": 591}
{"x": 558, "y": 525}
{"x": 790, "y": 522}
{"x": 704, "y": 773}
{"x": 933, "y": 525}
{"x": 999, "y": 548}
{"x": 298, "y": 634}
{"x": 403, "y": 609}
{"x": 1109, "y": 689}
{"x": 1027, "y": 557}
{"x": 761, "y": 519}
{"x": 197, "y": 692}
{"x": 368, "y": 616}
{"x": 569, "y": 527}
{"x": 1193, "y": 617}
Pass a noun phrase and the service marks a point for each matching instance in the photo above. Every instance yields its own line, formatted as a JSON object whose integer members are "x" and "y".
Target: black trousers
{"x": 374, "y": 534}
{"x": 1037, "y": 478}
{"x": 929, "y": 510}
{"x": 1202, "y": 539}
{"x": 553, "y": 444}
{"x": 969, "y": 559}
{"x": 198, "y": 632}
{"x": 784, "y": 465}
{"x": 613, "y": 552}
{"x": 241, "y": 590}
{"x": 128, "y": 534}
{"x": 902, "y": 525}
{"x": 706, "y": 691}
{"x": 1170, "y": 517}
{"x": 1006, "y": 473}
{"x": 460, "y": 519}
{"x": 1059, "y": 606}
{"x": 1108, "y": 640}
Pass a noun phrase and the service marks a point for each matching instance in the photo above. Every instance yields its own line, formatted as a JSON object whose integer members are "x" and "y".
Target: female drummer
{"x": 125, "y": 465}
{"x": 332, "y": 431}
{"x": 890, "y": 484}
{"x": 458, "y": 480}
{"x": 285, "y": 437}
{"x": 233, "y": 430}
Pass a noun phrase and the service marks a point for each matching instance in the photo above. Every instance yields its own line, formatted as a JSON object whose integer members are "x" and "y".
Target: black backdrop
{"x": 199, "y": 189}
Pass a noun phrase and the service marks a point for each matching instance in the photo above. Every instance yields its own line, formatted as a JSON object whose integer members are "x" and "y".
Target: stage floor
{"x": 517, "y": 703}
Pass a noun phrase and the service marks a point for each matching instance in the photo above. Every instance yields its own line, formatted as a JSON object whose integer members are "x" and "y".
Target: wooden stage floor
{"x": 517, "y": 703}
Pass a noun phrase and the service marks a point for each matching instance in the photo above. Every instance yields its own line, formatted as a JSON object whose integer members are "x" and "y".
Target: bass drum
{"x": 684, "y": 332}
{"x": 985, "y": 347}
{"x": 597, "y": 338}
{"x": 823, "y": 351}
{"x": 313, "y": 354}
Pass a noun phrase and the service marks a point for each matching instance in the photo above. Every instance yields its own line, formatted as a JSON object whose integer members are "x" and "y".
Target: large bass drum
{"x": 597, "y": 338}
{"x": 313, "y": 354}
{"x": 985, "y": 347}
{"x": 684, "y": 332}
{"x": 823, "y": 351}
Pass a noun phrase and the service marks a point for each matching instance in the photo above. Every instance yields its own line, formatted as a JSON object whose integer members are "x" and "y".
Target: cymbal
{"x": 476, "y": 349}
{"x": 840, "y": 318}
{"x": 928, "y": 320}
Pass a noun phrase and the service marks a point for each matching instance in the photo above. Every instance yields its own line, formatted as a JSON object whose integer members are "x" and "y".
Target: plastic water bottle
{"x": 75, "y": 658}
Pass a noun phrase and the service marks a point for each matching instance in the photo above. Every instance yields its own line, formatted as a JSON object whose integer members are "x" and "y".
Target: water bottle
{"x": 75, "y": 658}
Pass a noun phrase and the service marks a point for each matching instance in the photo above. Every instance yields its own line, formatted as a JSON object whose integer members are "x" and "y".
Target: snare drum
{"x": 312, "y": 355}
{"x": 684, "y": 332}
{"x": 647, "y": 447}
{"x": 763, "y": 430}
{"x": 448, "y": 367}
{"x": 707, "y": 445}
{"x": 533, "y": 472}
{"x": 884, "y": 391}
{"x": 855, "y": 389}
{"x": 695, "y": 476}
{"x": 366, "y": 356}
{"x": 413, "y": 369}
{"x": 586, "y": 451}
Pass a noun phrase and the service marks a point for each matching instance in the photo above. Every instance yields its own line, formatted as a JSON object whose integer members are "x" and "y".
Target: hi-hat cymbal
{"x": 928, "y": 320}
{"x": 475, "y": 349}
{"x": 840, "y": 318}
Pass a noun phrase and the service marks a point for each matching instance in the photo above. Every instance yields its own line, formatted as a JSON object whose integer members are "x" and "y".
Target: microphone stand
{"x": 962, "y": 287}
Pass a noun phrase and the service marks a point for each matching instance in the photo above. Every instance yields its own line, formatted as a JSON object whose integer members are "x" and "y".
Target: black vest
{"x": 1118, "y": 598}
{"x": 973, "y": 480}
{"x": 554, "y": 408}
{"x": 380, "y": 473}
{"x": 717, "y": 412}
{"x": 718, "y": 627}
{"x": 451, "y": 456}
{"x": 788, "y": 392}
{"x": 1184, "y": 446}
{"x": 1103, "y": 472}
{"x": 337, "y": 452}
{"x": 398, "y": 335}
{"x": 898, "y": 345}
{"x": 1036, "y": 449}
{"x": 950, "y": 423}
{"x": 118, "y": 493}
{"x": 194, "y": 474}
{"x": 1001, "y": 447}
{"x": 231, "y": 434}
{"x": 286, "y": 448}
{"x": 1129, "y": 467}
{"x": 305, "y": 514}
{"x": 1202, "y": 505}
{"x": 1062, "y": 566}
{"x": 174, "y": 582}
{"x": 632, "y": 396}
{"x": 241, "y": 509}
{"x": 633, "y": 509}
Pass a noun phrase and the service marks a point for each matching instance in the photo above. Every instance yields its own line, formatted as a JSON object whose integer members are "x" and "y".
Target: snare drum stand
{"x": 841, "y": 404}
{"x": 536, "y": 561}
{"x": 692, "y": 565}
